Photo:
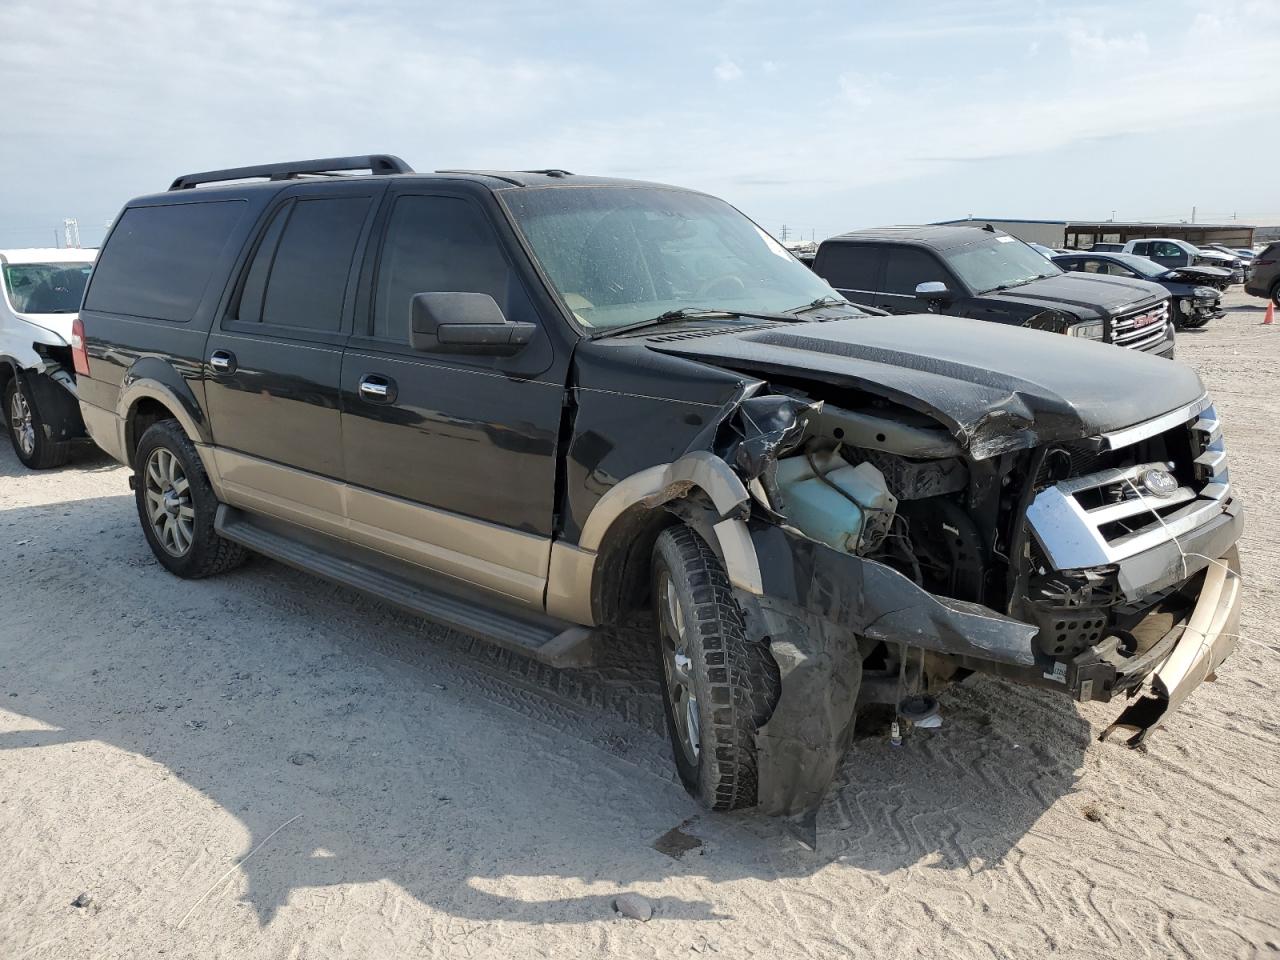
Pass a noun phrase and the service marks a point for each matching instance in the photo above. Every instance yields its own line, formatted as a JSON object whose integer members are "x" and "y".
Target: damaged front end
{"x": 889, "y": 558}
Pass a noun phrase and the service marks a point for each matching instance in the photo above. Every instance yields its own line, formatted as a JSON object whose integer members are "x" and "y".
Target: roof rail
{"x": 375, "y": 163}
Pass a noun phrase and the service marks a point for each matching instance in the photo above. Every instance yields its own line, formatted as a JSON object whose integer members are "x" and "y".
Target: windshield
{"x": 623, "y": 255}
{"x": 46, "y": 287}
{"x": 998, "y": 262}
{"x": 1144, "y": 266}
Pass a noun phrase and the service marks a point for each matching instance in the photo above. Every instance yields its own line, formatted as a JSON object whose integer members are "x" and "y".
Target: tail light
{"x": 79, "y": 355}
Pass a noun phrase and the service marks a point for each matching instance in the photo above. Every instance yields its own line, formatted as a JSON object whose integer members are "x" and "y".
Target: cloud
{"x": 727, "y": 71}
{"x": 936, "y": 94}
{"x": 1093, "y": 45}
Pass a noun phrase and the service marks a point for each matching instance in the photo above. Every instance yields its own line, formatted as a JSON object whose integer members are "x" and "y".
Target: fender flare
{"x": 573, "y": 568}
{"x": 185, "y": 411}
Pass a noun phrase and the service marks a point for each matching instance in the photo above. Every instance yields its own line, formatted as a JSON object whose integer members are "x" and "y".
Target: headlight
{"x": 1205, "y": 293}
{"x": 1090, "y": 330}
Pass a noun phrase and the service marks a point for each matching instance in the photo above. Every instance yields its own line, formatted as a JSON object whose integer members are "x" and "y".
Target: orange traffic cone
{"x": 1271, "y": 312}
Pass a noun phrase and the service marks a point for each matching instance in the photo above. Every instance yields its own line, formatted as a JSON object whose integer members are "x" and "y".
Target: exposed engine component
{"x": 917, "y": 479}
{"x": 825, "y": 497}
{"x": 903, "y": 432}
{"x": 1072, "y": 608}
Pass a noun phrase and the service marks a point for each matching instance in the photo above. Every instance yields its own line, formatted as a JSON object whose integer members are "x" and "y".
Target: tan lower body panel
{"x": 481, "y": 554}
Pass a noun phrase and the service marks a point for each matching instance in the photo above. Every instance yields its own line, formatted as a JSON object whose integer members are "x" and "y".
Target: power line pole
{"x": 71, "y": 232}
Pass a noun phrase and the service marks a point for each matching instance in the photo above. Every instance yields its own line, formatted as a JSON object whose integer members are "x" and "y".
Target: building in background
{"x": 1083, "y": 234}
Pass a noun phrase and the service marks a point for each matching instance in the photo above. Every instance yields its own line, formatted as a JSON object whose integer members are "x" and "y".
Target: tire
{"x": 709, "y": 664}
{"x": 1275, "y": 294}
{"x": 176, "y": 505}
{"x": 27, "y": 429}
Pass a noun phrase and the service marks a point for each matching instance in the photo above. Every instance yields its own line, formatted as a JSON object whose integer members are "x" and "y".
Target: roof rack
{"x": 375, "y": 163}
{"x": 550, "y": 172}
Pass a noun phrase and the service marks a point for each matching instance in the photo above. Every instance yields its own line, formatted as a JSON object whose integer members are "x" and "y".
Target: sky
{"x": 820, "y": 116}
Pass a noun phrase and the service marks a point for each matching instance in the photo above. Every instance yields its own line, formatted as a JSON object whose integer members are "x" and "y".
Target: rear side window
{"x": 908, "y": 267}
{"x": 438, "y": 245}
{"x": 852, "y": 266}
{"x": 303, "y": 262}
{"x": 159, "y": 259}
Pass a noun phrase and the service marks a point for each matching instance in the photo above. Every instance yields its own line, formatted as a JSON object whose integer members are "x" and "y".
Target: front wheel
{"x": 176, "y": 505}
{"x": 1275, "y": 294}
{"x": 719, "y": 686}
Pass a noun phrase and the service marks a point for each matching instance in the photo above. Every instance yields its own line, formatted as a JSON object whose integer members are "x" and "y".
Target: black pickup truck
{"x": 543, "y": 407}
{"x": 986, "y": 274}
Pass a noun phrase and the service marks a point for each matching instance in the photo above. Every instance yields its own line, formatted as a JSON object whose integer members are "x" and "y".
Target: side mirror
{"x": 464, "y": 323}
{"x": 935, "y": 292}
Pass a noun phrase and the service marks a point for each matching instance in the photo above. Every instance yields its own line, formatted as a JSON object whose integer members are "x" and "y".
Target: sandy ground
{"x": 262, "y": 765}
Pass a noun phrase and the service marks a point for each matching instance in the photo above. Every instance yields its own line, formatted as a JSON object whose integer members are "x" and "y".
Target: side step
{"x": 556, "y": 643}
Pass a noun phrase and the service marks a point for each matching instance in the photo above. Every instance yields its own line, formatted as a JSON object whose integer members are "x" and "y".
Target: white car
{"x": 40, "y": 292}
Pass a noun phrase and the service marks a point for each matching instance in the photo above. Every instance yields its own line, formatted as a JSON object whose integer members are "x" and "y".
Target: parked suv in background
{"x": 40, "y": 292}
{"x": 1264, "y": 281}
{"x": 542, "y": 407}
{"x": 987, "y": 274}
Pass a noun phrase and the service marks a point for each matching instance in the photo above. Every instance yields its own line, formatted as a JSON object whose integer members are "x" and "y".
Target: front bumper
{"x": 1198, "y": 646}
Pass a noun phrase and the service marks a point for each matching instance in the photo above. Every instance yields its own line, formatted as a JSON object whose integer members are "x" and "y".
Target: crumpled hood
{"x": 995, "y": 387}
{"x": 1197, "y": 274}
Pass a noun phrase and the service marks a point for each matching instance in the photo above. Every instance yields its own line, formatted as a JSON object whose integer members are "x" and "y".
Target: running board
{"x": 556, "y": 643}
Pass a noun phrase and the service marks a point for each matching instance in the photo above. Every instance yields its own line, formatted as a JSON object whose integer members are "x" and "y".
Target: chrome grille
{"x": 1137, "y": 331}
{"x": 1105, "y": 517}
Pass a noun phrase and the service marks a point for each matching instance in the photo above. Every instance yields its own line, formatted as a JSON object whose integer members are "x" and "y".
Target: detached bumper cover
{"x": 817, "y": 603}
{"x": 1208, "y": 637}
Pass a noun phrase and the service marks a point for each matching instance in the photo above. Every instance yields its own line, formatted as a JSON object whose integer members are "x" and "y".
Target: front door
{"x": 1169, "y": 254}
{"x": 273, "y": 361}
{"x": 450, "y": 459}
{"x": 906, "y": 269}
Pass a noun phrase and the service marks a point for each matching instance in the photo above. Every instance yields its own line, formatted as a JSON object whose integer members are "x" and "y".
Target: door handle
{"x": 377, "y": 389}
{"x": 222, "y": 361}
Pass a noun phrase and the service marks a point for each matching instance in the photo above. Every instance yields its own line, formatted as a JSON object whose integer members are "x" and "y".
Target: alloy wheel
{"x": 169, "y": 508}
{"x": 677, "y": 668}
{"x": 22, "y": 423}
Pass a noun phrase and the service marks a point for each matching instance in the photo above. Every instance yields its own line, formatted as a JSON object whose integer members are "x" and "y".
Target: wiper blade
{"x": 1012, "y": 284}
{"x": 821, "y": 302}
{"x": 690, "y": 313}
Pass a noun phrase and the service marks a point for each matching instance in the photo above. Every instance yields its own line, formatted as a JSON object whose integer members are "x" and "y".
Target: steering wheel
{"x": 727, "y": 285}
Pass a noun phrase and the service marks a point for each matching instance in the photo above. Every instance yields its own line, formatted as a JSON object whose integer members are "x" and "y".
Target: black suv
{"x": 543, "y": 407}
{"x": 987, "y": 274}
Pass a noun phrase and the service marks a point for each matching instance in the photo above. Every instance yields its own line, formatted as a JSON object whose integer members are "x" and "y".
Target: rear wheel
{"x": 27, "y": 429}
{"x": 719, "y": 686}
{"x": 176, "y": 505}
{"x": 1275, "y": 294}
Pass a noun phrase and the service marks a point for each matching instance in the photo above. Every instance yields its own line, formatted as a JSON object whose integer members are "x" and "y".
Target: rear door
{"x": 273, "y": 360}
{"x": 907, "y": 267}
{"x": 854, "y": 269}
{"x": 451, "y": 458}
